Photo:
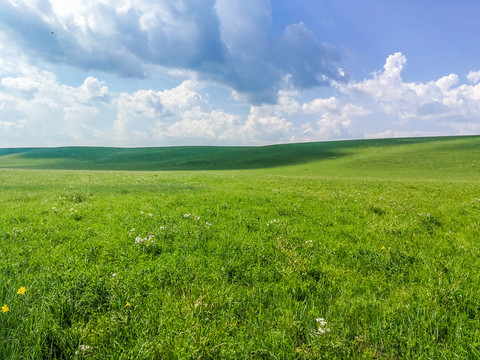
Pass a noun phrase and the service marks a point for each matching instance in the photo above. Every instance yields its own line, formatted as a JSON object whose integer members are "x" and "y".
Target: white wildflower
{"x": 186, "y": 216}
{"x": 322, "y": 326}
{"x": 274, "y": 221}
{"x": 82, "y": 348}
{"x": 147, "y": 240}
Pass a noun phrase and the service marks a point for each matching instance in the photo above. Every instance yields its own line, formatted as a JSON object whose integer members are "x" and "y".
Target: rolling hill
{"x": 433, "y": 156}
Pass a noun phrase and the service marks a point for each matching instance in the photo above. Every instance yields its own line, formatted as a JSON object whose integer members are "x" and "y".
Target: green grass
{"x": 358, "y": 154}
{"x": 378, "y": 238}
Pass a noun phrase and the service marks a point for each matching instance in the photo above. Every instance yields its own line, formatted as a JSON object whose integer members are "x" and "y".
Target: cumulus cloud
{"x": 197, "y": 126}
{"x": 224, "y": 41}
{"x": 37, "y": 109}
{"x": 474, "y": 76}
{"x": 388, "y": 93}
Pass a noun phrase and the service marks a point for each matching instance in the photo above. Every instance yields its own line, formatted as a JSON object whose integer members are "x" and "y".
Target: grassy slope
{"x": 380, "y": 240}
{"x": 388, "y": 157}
{"x": 434, "y": 159}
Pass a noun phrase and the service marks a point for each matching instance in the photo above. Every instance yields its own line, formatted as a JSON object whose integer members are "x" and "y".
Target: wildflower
{"x": 275, "y": 221}
{"x": 127, "y": 305}
{"x": 384, "y": 248}
{"x": 148, "y": 240}
{"x": 82, "y": 348}
{"x": 186, "y": 216}
{"x": 5, "y": 309}
{"x": 22, "y": 290}
{"x": 114, "y": 274}
{"x": 322, "y": 329}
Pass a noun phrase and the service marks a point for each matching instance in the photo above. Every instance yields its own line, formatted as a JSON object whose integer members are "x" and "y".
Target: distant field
{"x": 342, "y": 250}
{"x": 387, "y": 155}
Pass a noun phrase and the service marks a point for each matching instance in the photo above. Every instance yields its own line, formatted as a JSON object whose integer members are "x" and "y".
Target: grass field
{"x": 341, "y": 250}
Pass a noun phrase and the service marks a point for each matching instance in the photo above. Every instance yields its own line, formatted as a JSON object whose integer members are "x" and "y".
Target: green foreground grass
{"x": 382, "y": 245}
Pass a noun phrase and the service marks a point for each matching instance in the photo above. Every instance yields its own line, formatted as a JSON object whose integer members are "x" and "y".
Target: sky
{"x": 134, "y": 73}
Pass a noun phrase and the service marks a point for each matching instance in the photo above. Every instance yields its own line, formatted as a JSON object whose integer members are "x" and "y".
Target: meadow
{"x": 341, "y": 250}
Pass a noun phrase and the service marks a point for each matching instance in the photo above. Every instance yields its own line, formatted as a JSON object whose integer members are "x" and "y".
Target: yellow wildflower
{"x": 5, "y": 309}
{"x": 384, "y": 248}
{"x": 22, "y": 290}
{"x": 127, "y": 304}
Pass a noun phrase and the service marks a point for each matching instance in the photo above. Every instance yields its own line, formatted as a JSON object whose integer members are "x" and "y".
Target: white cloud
{"x": 198, "y": 126}
{"x": 227, "y": 42}
{"x": 399, "y": 134}
{"x": 407, "y": 104}
{"x": 37, "y": 109}
{"x": 321, "y": 105}
{"x": 183, "y": 96}
{"x": 334, "y": 121}
{"x": 260, "y": 128}
{"x": 93, "y": 89}
{"x": 474, "y": 76}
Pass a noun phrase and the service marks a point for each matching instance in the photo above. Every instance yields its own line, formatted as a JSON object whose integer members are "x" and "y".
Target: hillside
{"x": 424, "y": 156}
{"x": 354, "y": 250}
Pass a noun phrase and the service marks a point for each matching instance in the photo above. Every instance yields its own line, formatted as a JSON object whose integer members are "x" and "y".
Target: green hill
{"x": 424, "y": 157}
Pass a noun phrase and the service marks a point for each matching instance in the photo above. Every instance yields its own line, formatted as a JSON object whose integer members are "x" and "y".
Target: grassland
{"x": 235, "y": 158}
{"x": 378, "y": 238}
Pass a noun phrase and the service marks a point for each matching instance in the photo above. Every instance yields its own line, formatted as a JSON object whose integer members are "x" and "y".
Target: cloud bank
{"x": 36, "y": 109}
{"x": 228, "y": 42}
{"x": 445, "y": 104}
{"x": 274, "y": 81}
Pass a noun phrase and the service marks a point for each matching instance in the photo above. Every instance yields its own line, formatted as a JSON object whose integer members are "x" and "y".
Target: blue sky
{"x": 236, "y": 72}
